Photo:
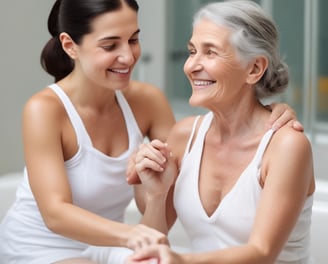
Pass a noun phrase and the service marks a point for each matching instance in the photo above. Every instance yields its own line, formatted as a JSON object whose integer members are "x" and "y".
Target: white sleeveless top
{"x": 232, "y": 221}
{"x": 97, "y": 182}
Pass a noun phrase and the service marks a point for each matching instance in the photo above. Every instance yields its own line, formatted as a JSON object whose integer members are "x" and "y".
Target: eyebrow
{"x": 117, "y": 37}
{"x": 206, "y": 45}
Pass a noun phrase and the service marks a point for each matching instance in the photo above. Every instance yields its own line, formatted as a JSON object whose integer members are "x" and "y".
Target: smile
{"x": 202, "y": 83}
{"x": 122, "y": 71}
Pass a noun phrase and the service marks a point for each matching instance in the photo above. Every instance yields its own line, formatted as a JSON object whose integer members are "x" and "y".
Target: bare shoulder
{"x": 180, "y": 134}
{"x": 151, "y": 109}
{"x": 288, "y": 139}
{"x": 147, "y": 100}
{"x": 289, "y": 157}
{"x": 43, "y": 108}
{"x": 183, "y": 127}
{"x": 141, "y": 90}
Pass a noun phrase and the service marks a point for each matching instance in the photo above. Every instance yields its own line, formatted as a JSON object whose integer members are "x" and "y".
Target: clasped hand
{"x": 155, "y": 167}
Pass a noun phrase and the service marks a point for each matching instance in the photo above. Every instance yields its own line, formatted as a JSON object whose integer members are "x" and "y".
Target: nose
{"x": 192, "y": 64}
{"x": 127, "y": 55}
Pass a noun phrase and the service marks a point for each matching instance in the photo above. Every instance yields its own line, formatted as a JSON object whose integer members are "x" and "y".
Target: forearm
{"x": 247, "y": 254}
{"x": 79, "y": 224}
{"x": 155, "y": 213}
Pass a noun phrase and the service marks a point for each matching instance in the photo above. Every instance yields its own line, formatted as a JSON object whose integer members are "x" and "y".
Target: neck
{"x": 239, "y": 120}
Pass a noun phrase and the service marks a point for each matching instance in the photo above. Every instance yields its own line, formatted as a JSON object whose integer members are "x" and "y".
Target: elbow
{"x": 52, "y": 223}
{"x": 53, "y": 219}
{"x": 265, "y": 254}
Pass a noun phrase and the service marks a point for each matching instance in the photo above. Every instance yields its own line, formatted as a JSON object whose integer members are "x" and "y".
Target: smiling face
{"x": 107, "y": 55}
{"x": 213, "y": 69}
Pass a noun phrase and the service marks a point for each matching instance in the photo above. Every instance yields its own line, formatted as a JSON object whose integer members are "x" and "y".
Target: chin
{"x": 196, "y": 101}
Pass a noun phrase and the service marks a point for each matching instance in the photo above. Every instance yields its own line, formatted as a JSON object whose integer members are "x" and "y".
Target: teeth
{"x": 202, "y": 83}
{"x": 121, "y": 70}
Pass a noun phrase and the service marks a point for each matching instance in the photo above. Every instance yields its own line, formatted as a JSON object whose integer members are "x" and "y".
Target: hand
{"x": 155, "y": 167}
{"x": 132, "y": 176}
{"x": 141, "y": 236}
{"x": 155, "y": 254}
{"x": 281, "y": 115}
{"x": 130, "y": 260}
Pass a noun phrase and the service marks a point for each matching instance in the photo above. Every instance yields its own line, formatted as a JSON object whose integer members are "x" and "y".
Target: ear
{"x": 256, "y": 69}
{"x": 68, "y": 45}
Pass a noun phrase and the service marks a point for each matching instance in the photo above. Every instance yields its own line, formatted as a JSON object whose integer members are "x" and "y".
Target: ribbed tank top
{"x": 232, "y": 221}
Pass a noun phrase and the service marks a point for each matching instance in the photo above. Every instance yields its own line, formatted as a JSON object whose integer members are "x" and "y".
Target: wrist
{"x": 156, "y": 198}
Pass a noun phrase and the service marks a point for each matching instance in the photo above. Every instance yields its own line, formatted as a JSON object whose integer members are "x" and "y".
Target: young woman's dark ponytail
{"x": 54, "y": 59}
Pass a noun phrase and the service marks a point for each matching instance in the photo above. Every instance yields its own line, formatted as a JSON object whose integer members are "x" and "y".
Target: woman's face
{"x": 109, "y": 53}
{"x": 213, "y": 69}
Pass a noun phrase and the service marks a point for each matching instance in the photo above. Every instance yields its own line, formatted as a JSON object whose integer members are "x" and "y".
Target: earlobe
{"x": 68, "y": 45}
{"x": 257, "y": 69}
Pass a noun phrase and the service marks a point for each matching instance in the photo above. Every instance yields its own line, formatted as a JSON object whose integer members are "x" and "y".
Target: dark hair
{"x": 73, "y": 17}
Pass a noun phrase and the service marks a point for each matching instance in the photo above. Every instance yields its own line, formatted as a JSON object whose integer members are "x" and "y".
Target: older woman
{"x": 242, "y": 191}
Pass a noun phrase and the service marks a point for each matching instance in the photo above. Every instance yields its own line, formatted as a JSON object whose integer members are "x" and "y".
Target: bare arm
{"x": 157, "y": 116}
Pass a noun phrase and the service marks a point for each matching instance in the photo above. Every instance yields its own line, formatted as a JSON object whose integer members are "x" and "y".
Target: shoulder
{"x": 151, "y": 109}
{"x": 183, "y": 127}
{"x": 180, "y": 134}
{"x": 286, "y": 139}
{"x": 139, "y": 90}
{"x": 147, "y": 99}
{"x": 289, "y": 156}
{"x": 43, "y": 108}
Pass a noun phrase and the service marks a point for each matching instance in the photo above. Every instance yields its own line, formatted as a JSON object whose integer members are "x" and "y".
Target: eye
{"x": 211, "y": 53}
{"x": 109, "y": 47}
{"x": 191, "y": 52}
{"x": 134, "y": 41}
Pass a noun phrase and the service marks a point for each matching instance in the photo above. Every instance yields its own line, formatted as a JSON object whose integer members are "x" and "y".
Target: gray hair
{"x": 253, "y": 34}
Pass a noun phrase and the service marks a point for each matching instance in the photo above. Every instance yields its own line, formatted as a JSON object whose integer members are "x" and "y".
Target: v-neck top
{"x": 97, "y": 182}
{"x": 232, "y": 221}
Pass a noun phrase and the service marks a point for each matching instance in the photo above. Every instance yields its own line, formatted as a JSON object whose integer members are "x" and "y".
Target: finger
{"x": 153, "y": 236}
{"x": 150, "y": 253}
{"x": 131, "y": 173}
{"x": 276, "y": 111}
{"x": 281, "y": 121}
{"x": 297, "y": 126}
{"x": 150, "y": 152}
{"x": 162, "y": 147}
{"x": 148, "y": 164}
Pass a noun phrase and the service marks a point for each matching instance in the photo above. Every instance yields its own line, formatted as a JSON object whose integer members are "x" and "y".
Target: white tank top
{"x": 232, "y": 221}
{"x": 97, "y": 182}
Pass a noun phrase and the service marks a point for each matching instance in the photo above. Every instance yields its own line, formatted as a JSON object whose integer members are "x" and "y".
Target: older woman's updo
{"x": 254, "y": 34}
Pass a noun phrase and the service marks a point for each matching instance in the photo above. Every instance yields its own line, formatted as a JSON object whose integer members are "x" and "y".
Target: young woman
{"x": 79, "y": 134}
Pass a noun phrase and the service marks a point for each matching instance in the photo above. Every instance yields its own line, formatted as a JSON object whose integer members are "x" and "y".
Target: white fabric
{"x": 97, "y": 183}
{"x": 107, "y": 255}
{"x": 232, "y": 221}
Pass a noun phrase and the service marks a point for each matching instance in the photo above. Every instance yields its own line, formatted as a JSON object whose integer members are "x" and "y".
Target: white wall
{"x": 23, "y": 27}
{"x": 23, "y": 34}
{"x": 152, "y": 20}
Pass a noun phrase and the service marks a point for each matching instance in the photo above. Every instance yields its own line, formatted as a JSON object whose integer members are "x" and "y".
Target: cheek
{"x": 186, "y": 67}
{"x": 136, "y": 52}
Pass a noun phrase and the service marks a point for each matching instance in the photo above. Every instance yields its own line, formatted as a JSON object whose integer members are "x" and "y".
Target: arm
{"x": 157, "y": 118}
{"x": 44, "y": 120}
{"x": 155, "y": 121}
{"x": 288, "y": 181}
{"x": 157, "y": 171}
{"x": 159, "y": 176}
